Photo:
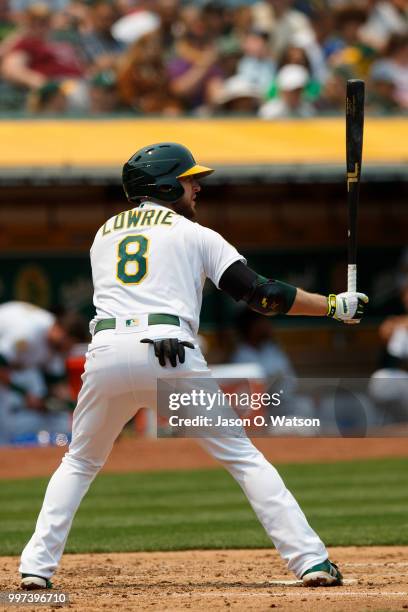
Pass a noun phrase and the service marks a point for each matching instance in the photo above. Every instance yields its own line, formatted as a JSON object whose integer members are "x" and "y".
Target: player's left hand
{"x": 347, "y": 307}
{"x": 172, "y": 348}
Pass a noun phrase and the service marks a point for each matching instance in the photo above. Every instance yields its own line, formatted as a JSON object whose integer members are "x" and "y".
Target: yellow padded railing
{"x": 104, "y": 143}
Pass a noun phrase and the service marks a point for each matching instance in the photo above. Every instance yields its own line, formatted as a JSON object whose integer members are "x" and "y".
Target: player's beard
{"x": 185, "y": 207}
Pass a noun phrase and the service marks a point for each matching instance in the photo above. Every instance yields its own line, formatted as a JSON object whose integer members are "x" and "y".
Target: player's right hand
{"x": 347, "y": 307}
{"x": 172, "y": 348}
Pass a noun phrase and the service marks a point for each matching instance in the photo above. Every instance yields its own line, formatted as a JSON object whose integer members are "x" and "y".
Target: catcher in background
{"x": 149, "y": 265}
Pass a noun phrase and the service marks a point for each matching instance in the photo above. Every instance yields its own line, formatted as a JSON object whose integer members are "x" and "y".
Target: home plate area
{"x": 375, "y": 579}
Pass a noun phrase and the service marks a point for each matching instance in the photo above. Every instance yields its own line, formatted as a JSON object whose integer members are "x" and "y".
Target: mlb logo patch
{"x": 132, "y": 322}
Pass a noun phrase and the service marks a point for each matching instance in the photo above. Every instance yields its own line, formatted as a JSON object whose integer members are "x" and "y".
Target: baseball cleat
{"x": 29, "y": 582}
{"x": 323, "y": 574}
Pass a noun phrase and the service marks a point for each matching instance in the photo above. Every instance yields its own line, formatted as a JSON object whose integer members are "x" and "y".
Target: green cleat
{"x": 30, "y": 582}
{"x": 323, "y": 574}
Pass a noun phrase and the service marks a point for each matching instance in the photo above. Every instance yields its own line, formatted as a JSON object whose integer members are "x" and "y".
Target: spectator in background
{"x": 296, "y": 55}
{"x": 257, "y": 67}
{"x": 332, "y": 94}
{"x": 381, "y": 95}
{"x": 100, "y": 48}
{"x": 384, "y": 20}
{"x": 143, "y": 81}
{"x": 195, "y": 75}
{"x": 20, "y": 6}
{"x": 69, "y": 24}
{"x": 241, "y": 20}
{"x": 48, "y": 99}
{"x": 322, "y": 24}
{"x": 306, "y": 45}
{"x": 34, "y": 58}
{"x": 12, "y": 97}
{"x": 168, "y": 12}
{"x": 213, "y": 15}
{"x": 230, "y": 53}
{"x": 134, "y": 25}
{"x": 238, "y": 96}
{"x": 291, "y": 81}
{"x": 282, "y": 21}
{"x": 394, "y": 68}
{"x": 200, "y": 45}
{"x": 218, "y": 19}
{"x": 346, "y": 48}
{"x": 103, "y": 94}
{"x": 6, "y": 23}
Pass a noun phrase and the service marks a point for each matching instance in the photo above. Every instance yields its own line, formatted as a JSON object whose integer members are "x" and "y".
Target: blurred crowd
{"x": 272, "y": 58}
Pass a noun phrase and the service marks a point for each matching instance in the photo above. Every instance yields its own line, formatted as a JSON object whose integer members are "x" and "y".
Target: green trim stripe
{"x": 163, "y": 319}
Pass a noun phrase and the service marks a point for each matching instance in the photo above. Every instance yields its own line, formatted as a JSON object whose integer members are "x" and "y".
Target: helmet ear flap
{"x": 169, "y": 190}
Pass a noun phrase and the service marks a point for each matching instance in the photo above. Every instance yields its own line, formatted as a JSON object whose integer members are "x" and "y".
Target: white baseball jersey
{"x": 151, "y": 260}
{"x": 23, "y": 336}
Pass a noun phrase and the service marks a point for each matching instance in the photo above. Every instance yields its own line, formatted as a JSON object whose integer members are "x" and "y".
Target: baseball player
{"x": 32, "y": 338}
{"x": 149, "y": 265}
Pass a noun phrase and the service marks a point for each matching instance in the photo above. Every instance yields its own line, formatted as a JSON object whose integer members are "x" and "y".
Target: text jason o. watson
{"x": 257, "y": 421}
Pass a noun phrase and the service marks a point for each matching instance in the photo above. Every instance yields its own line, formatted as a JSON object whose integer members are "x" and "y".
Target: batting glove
{"x": 347, "y": 307}
{"x": 172, "y": 348}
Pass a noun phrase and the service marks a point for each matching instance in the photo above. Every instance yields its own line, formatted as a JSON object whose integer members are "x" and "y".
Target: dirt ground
{"x": 137, "y": 455}
{"x": 375, "y": 579}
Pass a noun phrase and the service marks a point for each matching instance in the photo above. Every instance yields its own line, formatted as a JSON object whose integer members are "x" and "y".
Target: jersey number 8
{"x": 132, "y": 259}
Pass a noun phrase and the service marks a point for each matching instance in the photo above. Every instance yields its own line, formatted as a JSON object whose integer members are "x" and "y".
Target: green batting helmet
{"x": 154, "y": 172}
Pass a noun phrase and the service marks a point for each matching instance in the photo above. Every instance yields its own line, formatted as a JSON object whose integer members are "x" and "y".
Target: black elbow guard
{"x": 271, "y": 297}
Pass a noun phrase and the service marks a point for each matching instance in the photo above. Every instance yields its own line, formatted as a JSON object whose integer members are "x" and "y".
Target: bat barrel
{"x": 354, "y": 149}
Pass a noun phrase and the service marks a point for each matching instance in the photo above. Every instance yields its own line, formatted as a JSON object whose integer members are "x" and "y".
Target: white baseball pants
{"x": 120, "y": 377}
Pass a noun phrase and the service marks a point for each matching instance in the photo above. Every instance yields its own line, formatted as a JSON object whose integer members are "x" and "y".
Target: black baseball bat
{"x": 354, "y": 149}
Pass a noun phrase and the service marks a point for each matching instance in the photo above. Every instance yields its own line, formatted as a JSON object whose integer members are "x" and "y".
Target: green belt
{"x": 152, "y": 319}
